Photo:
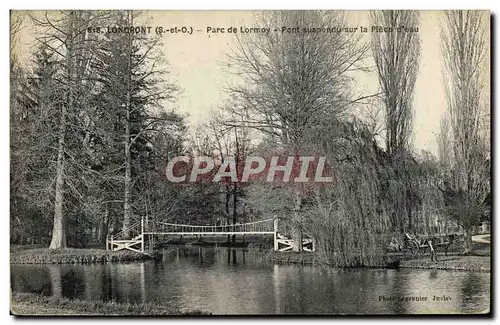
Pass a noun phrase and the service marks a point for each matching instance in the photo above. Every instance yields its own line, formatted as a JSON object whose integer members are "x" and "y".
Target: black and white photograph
{"x": 250, "y": 162}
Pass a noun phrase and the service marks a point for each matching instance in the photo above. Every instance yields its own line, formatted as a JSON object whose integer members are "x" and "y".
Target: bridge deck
{"x": 220, "y": 233}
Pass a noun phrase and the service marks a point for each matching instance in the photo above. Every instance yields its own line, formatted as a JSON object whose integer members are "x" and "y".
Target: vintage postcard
{"x": 250, "y": 162}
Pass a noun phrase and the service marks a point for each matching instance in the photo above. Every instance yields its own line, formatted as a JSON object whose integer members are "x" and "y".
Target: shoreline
{"x": 311, "y": 258}
{"x": 471, "y": 263}
{"x": 30, "y": 304}
{"x": 452, "y": 262}
{"x": 76, "y": 256}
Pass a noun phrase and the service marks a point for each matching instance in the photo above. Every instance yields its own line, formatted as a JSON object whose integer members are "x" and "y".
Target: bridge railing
{"x": 133, "y": 230}
{"x": 250, "y": 227}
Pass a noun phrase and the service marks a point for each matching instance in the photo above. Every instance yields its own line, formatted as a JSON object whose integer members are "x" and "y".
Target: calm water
{"x": 238, "y": 281}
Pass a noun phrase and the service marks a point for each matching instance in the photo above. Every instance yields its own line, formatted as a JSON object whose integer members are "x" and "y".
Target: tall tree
{"x": 464, "y": 45}
{"x": 87, "y": 97}
{"x": 135, "y": 96}
{"x": 293, "y": 78}
{"x": 444, "y": 144}
{"x": 31, "y": 133}
{"x": 34, "y": 112}
{"x": 396, "y": 55}
{"x": 65, "y": 34}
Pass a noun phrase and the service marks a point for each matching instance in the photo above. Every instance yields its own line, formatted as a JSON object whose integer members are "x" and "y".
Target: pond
{"x": 241, "y": 281}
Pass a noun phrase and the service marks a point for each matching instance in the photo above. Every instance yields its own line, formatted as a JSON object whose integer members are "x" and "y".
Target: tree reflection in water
{"x": 233, "y": 281}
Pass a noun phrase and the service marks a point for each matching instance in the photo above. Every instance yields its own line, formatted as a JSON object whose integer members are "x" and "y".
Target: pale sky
{"x": 195, "y": 64}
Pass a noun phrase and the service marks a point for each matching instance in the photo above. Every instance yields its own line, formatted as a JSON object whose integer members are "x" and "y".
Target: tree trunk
{"x": 410, "y": 223}
{"x": 467, "y": 240}
{"x": 104, "y": 226}
{"x": 297, "y": 239}
{"x": 235, "y": 185}
{"x": 235, "y": 212}
{"x": 128, "y": 180}
{"x": 126, "y": 197}
{"x": 297, "y": 231}
{"x": 59, "y": 230}
{"x": 228, "y": 197}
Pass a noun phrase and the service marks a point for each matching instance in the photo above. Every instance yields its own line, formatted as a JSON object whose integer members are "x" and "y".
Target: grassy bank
{"x": 74, "y": 255}
{"x": 456, "y": 262}
{"x": 28, "y": 304}
{"x": 312, "y": 258}
{"x": 304, "y": 258}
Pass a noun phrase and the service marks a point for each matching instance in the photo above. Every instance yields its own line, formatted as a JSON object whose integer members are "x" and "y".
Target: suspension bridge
{"x": 134, "y": 237}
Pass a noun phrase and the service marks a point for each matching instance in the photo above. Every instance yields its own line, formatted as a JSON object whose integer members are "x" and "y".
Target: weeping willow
{"x": 371, "y": 200}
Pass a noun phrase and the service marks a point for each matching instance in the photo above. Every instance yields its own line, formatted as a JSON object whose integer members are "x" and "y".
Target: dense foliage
{"x": 93, "y": 126}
